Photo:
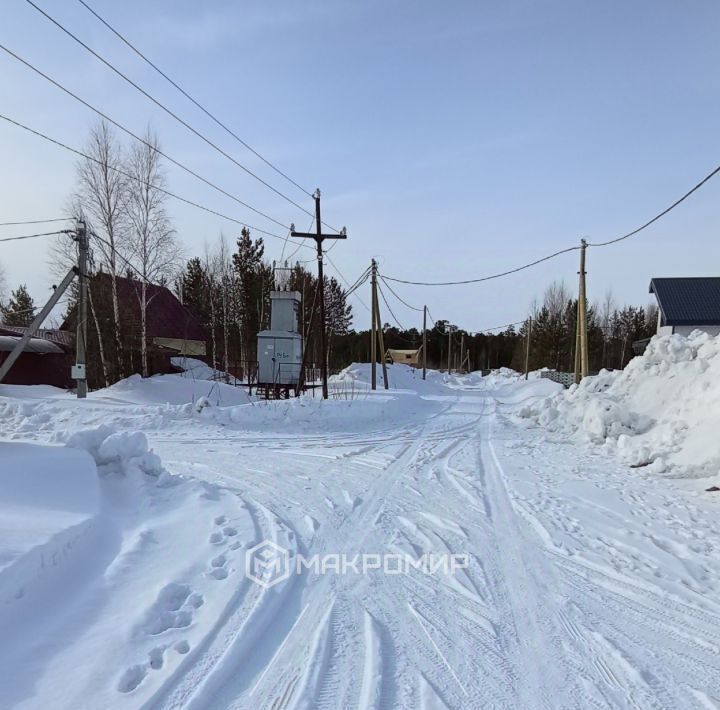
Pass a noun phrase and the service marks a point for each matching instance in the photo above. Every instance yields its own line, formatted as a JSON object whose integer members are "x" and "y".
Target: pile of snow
{"x": 358, "y": 376}
{"x": 108, "y": 582}
{"x": 125, "y": 453}
{"x": 49, "y": 525}
{"x": 662, "y": 411}
{"x": 172, "y": 389}
{"x": 198, "y": 370}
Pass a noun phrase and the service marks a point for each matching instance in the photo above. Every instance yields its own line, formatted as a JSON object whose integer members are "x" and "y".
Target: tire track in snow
{"x": 528, "y": 593}
{"x": 230, "y": 653}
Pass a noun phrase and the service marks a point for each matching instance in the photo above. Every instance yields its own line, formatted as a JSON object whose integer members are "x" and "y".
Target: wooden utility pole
{"x": 373, "y": 327}
{"x": 319, "y": 237}
{"x": 581, "y": 342}
{"x": 527, "y": 347}
{"x": 449, "y": 348}
{"x": 378, "y": 338}
{"x": 381, "y": 342}
{"x": 462, "y": 351}
{"x": 424, "y": 342}
{"x": 79, "y": 371}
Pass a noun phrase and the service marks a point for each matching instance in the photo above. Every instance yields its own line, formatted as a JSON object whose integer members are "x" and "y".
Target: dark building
{"x": 45, "y": 360}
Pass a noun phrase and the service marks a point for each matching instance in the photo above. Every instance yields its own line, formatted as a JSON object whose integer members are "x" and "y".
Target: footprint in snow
{"x": 174, "y": 608}
{"x": 131, "y": 678}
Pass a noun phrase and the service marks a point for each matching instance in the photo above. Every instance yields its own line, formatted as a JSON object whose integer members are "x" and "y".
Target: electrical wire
{"x": 400, "y": 325}
{"x": 501, "y": 327}
{"x": 32, "y": 236}
{"x": 34, "y": 221}
{"x": 342, "y": 276}
{"x": 141, "y": 140}
{"x": 360, "y": 280}
{"x": 484, "y": 278}
{"x": 289, "y": 234}
{"x": 658, "y": 216}
{"x": 708, "y": 177}
{"x": 135, "y": 178}
{"x": 405, "y": 303}
{"x": 191, "y": 99}
{"x": 159, "y": 104}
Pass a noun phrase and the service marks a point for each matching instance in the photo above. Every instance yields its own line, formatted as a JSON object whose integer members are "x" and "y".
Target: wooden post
{"x": 381, "y": 341}
{"x": 584, "y": 356}
{"x": 424, "y": 342}
{"x": 319, "y": 238}
{"x": 373, "y": 331}
{"x": 527, "y": 348}
{"x": 581, "y": 339}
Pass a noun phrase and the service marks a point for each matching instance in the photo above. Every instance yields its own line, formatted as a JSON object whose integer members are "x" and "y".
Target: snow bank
{"x": 107, "y": 583}
{"x": 197, "y": 369}
{"x": 126, "y": 453}
{"x": 357, "y": 377}
{"x": 662, "y": 411}
{"x": 49, "y": 505}
{"x": 171, "y": 389}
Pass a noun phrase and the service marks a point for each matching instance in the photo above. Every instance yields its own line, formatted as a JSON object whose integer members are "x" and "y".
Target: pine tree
{"x": 20, "y": 308}
{"x": 254, "y": 285}
{"x": 193, "y": 289}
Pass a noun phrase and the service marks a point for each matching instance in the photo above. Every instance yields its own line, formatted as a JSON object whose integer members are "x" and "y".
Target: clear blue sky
{"x": 453, "y": 139}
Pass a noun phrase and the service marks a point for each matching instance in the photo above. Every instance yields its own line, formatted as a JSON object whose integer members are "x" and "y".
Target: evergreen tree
{"x": 193, "y": 289}
{"x": 254, "y": 285}
{"x": 20, "y": 308}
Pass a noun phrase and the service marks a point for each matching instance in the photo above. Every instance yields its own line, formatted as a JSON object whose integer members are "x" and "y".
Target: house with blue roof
{"x": 687, "y": 303}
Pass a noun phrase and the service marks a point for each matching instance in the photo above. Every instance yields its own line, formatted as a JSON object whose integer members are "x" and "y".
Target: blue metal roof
{"x": 688, "y": 300}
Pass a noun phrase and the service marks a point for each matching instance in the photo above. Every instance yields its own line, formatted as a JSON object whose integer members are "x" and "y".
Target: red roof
{"x": 166, "y": 316}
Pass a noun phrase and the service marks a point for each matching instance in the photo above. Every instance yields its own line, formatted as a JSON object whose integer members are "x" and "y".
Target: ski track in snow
{"x": 585, "y": 589}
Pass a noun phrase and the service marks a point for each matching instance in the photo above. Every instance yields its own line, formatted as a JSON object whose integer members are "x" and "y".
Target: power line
{"x": 405, "y": 303}
{"x": 133, "y": 177}
{"x": 708, "y": 177}
{"x": 190, "y": 98}
{"x": 484, "y": 278}
{"x": 400, "y": 325}
{"x": 501, "y": 327}
{"x": 33, "y": 236}
{"x": 340, "y": 274}
{"x": 360, "y": 281}
{"x": 658, "y": 216}
{"x": 33, "y": 221}
{"x": 165, "y": 108}
{"x": 139, "y": 139}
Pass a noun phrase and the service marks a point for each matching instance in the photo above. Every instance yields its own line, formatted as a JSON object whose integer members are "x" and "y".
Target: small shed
{"x": 687, "y": 303}
{"x": 403, "y": 357}
{"x": 43, "y": 361}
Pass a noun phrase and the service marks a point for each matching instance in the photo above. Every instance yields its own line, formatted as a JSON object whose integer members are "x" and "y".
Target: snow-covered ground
{"x": 129, "y": 522}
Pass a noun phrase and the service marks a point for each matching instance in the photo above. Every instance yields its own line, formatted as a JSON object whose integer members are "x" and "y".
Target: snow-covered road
{"x": 587, "y": 584}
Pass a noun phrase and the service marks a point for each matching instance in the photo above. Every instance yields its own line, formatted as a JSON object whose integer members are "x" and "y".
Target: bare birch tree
{"x": 101, "y": 196}
{"x": 607, "y": 307}
{"x": 153, "y": 247}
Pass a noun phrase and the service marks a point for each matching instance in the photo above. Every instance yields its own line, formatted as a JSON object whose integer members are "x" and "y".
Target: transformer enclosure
{"x": 280, "y": 349}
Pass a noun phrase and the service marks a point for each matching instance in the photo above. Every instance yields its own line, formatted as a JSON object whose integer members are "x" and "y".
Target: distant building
{"x": 172, "y": 328}
{"x": 403, "y": 357}
{"x": 687, "y": 303}
{"x": 45, "y": 360}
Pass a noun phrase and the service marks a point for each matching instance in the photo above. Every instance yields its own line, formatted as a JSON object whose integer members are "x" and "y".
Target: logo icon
{"x": 267, "y": 564}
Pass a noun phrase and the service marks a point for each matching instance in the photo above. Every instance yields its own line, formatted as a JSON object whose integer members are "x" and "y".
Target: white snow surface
{"x": 662, "y": 411}
{"x": 126, "y": 520}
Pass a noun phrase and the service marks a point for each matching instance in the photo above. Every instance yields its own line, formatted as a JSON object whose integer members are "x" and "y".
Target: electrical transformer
{"x": 280, "y": 349}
